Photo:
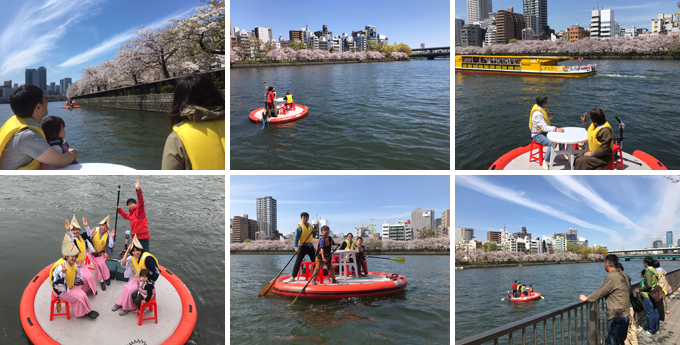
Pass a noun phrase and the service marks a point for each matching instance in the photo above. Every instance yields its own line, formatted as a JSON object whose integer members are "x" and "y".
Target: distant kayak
{"x": 96, "y": 166}
{"x": 533, "y": 296}
{"x": 66, "y": 106}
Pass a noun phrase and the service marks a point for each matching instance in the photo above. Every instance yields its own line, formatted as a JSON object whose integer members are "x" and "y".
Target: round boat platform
{"x": 534, "y": 296}
{"x": 176, "y": 315}
{"x": 299, "y": 112}
{"x": 374, "y": 284}
{"x": 95, "y": 166}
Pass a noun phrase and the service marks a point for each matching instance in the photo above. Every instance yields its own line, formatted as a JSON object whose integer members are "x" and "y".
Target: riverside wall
{"x": 157, "y": 103}
{"x": 330, "y": 62}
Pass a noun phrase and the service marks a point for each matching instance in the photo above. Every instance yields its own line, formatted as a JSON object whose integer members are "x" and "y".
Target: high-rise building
{"x": 64, "y": 83}
{"x": 464, "y": 234}
{"x": 669, "y": 238}
{"x": 422, "y": 219}
{"x": 32, "y": 77}
{"x": 243, "y": 229}
{"x": 371, "y": 31}
{"x": 654, "y": 239}
{"x": 52, "y": 89}
{"x": 478, "y": 10}
{"x": 494, "y": 236}
{"x": 263, "y": 33}
{"x": 603, "y": 25}
{"x": 266, "y": 214}
{"x": 7, "y": 84}
{"x": 295, "y": 35}
{"x": 446, "y": 220}
{"x": 42, "y": 78}
{"x": 536, "y": 12}
{"x": 459, "y": 26}
{"x": 472, "y": 35}
{"x": 509, "y": 25}
{"x": 657, "y": 244}
{"x": 399, "y": 231}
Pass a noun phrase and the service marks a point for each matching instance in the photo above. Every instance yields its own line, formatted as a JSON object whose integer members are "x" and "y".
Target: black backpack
{"x": 636, "y": 301}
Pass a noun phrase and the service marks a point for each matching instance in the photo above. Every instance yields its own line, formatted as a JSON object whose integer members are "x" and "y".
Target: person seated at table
{"x": 540, "y": 125}
{"x": 349, "y": 245}
{"x": 598, "y": 151}
{"x": 66, "y": 279}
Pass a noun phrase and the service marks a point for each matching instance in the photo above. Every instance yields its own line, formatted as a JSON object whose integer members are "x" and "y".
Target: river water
{"x": 107, "y": 135}
{"x": 186, "y": 222}
{"x": 492, "y": 111}
{"x": 420, "y": 314}
{"x": 377, "y": 116}
{"x": 479, "y": 291}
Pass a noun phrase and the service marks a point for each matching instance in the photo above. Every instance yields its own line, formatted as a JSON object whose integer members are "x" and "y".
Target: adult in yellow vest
{"x": 348, "y": 244}
{"x": 22, "y": 141}
{"x": 84, "y": 246}
{"x": 303, "y": 244}
{"x": 289, "y": 101}
{"x": 197, "y": 119}
{"x": 102, "y": 243}
{"x": 540, "y": 124}
{"x": 66, "y": 279}
{"x": 137, "y": 260}
{"x": 598, "y": 152}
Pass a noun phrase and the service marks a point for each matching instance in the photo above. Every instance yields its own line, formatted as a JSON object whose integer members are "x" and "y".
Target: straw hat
{"x": 68, "y": 248}
{"x": 105, "y": 221}
{"x": 74, "y": 223}
{"x": 135, "y": 242}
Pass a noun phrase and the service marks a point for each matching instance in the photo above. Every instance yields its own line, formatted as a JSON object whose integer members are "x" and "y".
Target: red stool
{"x": 152, "y": 307}
{"x": 616, "y": 163}
{"x": 56, "y": 300}
{"x": 282, "y": 110}
{"x": 538, "y": 155}
{"x": 309, "y": 270}
{"x": 321, "y": 277}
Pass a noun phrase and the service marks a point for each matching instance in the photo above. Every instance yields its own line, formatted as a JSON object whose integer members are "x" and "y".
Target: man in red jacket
{"x": 137, "y": 218}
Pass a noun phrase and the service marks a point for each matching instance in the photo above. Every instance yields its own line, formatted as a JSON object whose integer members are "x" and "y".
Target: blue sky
{"x": 410, "y": 22}
{"x": 562, "y": 14}
{"x": 67, "y": 35}
{"x": 346, "y": 201}
{"x": 606, "y": 210}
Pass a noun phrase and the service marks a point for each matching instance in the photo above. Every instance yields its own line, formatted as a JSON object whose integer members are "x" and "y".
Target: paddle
{"x": 400, "y": 259}
{"x": 268, "y": 289}
{"x": 115, "y": 223}
{"x": 314, "y": 276}
{"x": 264, "y": 113}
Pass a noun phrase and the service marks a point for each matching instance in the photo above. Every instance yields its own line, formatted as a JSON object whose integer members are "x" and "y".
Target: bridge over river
{"x": 431, "y": 53}
{"x": 657, "y": 253}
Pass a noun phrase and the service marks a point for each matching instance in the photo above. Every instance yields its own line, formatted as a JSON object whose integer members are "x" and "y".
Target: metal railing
{"x": 589, "y": 325}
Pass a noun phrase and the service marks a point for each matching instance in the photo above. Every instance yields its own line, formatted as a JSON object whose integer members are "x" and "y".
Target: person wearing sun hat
{"x": 84, "y": 246}
{"x": 102, "y": 242}
{"x": 137, "y": 260}
{"x": 66, "y": 278}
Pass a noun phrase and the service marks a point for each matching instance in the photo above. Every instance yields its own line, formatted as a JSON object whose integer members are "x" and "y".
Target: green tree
{"x": 489, "y": 247}
{"x": 371, "y": 46}
{"x": 297, "y": 45}
{"x": 331, "y": 50}
{"x": 426, "y": 233}
{"x": 514, "y": 40}
{"x": 403, "y": 48}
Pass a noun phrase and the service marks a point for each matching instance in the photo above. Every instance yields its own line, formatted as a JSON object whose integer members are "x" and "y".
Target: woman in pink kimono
{"x": 66, "y": 279}
{"x": 81, "y": 241}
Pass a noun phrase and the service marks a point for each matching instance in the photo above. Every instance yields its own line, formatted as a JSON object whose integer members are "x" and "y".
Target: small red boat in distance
{"x": 74, "y": 106}
{"x": 531, "y": 297}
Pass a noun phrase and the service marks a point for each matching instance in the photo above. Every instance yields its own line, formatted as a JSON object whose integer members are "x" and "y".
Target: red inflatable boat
{"x": 533, "y": 296}
{"x": 297, "y": 112}
{"x": 374, "y": 284}
{"x": 66, "y": 106}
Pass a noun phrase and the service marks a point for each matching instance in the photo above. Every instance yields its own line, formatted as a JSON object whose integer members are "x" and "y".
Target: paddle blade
{"x": 267, "y": 289}
{"x": 400, "y": 260}
{"x": 502, "y": 299}
{"x": 542, "y": 297}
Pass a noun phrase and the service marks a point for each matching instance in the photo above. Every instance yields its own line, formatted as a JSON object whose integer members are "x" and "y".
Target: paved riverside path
{"x": 670, "y": 330}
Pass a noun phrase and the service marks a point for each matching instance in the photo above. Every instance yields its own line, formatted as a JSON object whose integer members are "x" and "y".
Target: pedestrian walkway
{"x": 670, "y": 330}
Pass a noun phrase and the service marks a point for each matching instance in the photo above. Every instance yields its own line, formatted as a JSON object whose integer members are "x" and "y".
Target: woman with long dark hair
{"x": 197, "y": 119}
{"x": 598, "y": 151}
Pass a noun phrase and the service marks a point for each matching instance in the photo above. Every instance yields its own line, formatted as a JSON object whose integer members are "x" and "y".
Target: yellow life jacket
{"x": 593, "y": 144}
{"x": 99, "y": 241}
{"x": 203, "y": 142}
{"x": 71, "y": 271}
{"x": 306, "y": 230}
{"x": 80, "y": 242}
{"x": 141, "y": 265}
{"x": 289, "y": 99}
{"x": 543, "y": 111}
{"x": 349, "y": 245}
{"x": 11, "y": 127}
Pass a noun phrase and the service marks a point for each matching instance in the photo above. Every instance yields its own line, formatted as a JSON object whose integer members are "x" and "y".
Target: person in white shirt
{"x": 540, "y": 125}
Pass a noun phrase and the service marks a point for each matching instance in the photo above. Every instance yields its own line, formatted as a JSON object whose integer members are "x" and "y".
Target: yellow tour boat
{"x": 541, "y": 66}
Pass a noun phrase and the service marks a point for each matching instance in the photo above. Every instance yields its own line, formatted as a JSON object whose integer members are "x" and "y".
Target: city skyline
{"x": 420, "y": 24}
{"x": 65, "y": 36}
{"x": 607, "y": 210}
{"x": 345, "y": 201}
{"x": 565, "y": 14}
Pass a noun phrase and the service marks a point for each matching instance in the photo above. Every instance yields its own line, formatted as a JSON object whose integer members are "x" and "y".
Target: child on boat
{"x": 146, "y": 289}
{"x": 361, "y": 257}
{"x": 53, "y": 127}
{"x": 323, "y": 253}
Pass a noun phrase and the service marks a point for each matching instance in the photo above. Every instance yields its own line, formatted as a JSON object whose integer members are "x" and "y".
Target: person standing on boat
{"x": 66, "y": 279}
{"x": 514, "y": 288}
{"x": 84, "y": 246}
{"x": 303, "y": 244}
{"x": 616, "y": 291}
{"x": 102, "y": 242}
{"x": 323, "y": 253}
{"x": 361, "y": 256}
{"x": 540, "y": 124}
{"x": 271, "y": 102}
{"x": 22, "y": 141}
{"x": 137, "y": 218}
{"x": 138, "y": 260}
{"x": 598, "y": 151}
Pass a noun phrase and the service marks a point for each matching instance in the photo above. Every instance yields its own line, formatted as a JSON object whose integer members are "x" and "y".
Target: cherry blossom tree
{"x": 202, "y": 34}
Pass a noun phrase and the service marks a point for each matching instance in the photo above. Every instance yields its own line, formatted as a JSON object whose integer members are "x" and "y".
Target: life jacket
{"x": 289, "y": 99}
{"x": 142, "y": 264}
{"x": 326, "y": 246}
{"x": 142, "y": 288}
{"x": 543, "y": 111}
{"x": 531, "y": 289}
{"x": 71, "y": 271}
{"x": 306, "y": 231}
{"x": 593, "y": 144}
{"x": 362, "y": 250}
{"x": 349, "y": 245}
{"x": 11, "y": 127}
{"x": 99, "y": 241}
{"x": 204, "y": 143}
{"x": 80, "y": 243}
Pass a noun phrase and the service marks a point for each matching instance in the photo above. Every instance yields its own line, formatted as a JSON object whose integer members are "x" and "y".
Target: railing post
{"x": 593, "y": 339}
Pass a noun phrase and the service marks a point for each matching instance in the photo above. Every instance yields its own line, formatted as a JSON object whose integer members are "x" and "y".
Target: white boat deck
{"x": 522, "y": 163}
{"x": 371, "y": 278}
{"x": 109, "y": 327}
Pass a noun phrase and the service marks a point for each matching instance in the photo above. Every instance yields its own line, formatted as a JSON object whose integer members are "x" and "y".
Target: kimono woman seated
{"x": 135, "y": 260}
